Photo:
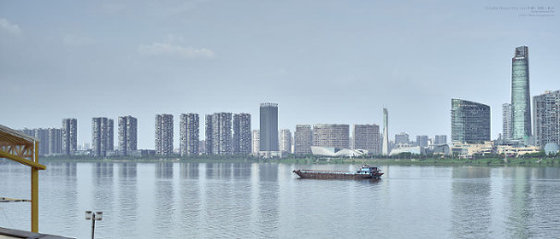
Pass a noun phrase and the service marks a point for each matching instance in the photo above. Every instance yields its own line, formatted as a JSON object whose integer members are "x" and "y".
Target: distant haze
{"x": 321, "y": 61}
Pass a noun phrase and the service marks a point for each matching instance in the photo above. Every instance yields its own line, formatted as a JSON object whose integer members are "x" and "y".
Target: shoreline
{"x": 494, "y": 162}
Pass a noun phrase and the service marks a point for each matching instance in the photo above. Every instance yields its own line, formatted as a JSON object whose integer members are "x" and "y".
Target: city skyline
{"x": 204, "y": 60}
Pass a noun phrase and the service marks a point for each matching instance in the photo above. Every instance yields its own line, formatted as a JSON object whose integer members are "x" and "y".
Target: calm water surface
{"x": 244, "y": 200}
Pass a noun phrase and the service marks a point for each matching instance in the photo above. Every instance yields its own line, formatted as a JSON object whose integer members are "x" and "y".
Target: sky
{"x": 322, "y": 61}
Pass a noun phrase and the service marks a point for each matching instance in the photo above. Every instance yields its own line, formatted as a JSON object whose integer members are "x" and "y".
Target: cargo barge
{"x": 366, "y": 172}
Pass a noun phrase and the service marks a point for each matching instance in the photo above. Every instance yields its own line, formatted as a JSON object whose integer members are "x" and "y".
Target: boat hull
{"x": 334, "y": 175}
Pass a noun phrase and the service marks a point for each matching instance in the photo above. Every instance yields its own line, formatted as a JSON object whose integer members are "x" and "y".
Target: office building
{"x": 189, "y": 134}
{"x": 102, "y": 136}
{"x": 385, "y": 150}
{"x": 69, "y": 136}
{"x": 546, "y": 109}
{"x": 440, "y": 139}
{"x": 128, "y": 134}
{"x": 520, "y": 98}
{"x": 507, "y": 124}
{"x": 242, "y": 134}
{"x": 470, "y": 122}
{"x": 303, "y": 139}
{"x": 422, "y": 140}
{"x": 402, "y": 139}
{"x": 285, "y": 141}
{"x": 268, "y": 127}
{"x": 256, "y": 141}
{"x": 331, "y": 135}
{"x": 366, "y": 136}
{"x": 164, "y": 134}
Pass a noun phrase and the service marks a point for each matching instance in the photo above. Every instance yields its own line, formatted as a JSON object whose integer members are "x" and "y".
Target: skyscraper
{"x": 128, "y": 134}
{"x": 242, "y": 133}
{"x": 50, "y": 140}
{"x": 546, "y": 109}
{"x": 221, "y": 133}
{"x": 422, "y": 140}
{"x": 470, "y": 121}
{"x": 188, "y": 132}
{"x": 331, "y": 135}
{"x": 440, "y": 139}
{"x": 285, "y": 141}
{"x": 102, "y": 136}
{"x": 366, "y": 136}
{"x": 385, "y": 132}
{"x": 55, "y": 141}
{"x": 507, "y": 122}
{"x": 164, "y": 134}
{"x": 208, "y": 133}
{"x": 43, "y": 136}
{"x": 69, "y": 136}
{"x": 520, "y": 98}
{"x": 303, "y": 139}
{"x": 269, "y": 127}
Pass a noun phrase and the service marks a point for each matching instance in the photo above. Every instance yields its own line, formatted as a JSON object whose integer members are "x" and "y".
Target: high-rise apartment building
{"x": 402, "y": 139}
{"x": 221, "y": 136}
{"x": 507, "y": 124}
{"x": 256, "y": 142}
{"x": 55, "y": 141}
{"x": 42, "y": 135}
{"x": 331, "y": 135}
{"x": 164, "y": 134}
{"x": 128, "y": 134}
{"x": 440, "y": 139}
{"x": 242, "y": 133}
{"x": 422, "y": 140}
{"x": 268, "y": 127}
{"x": 520, "y": 98}
{"x": 69, "y": 136}
{"x": 208, "y": 133}
{"x": 546, "y": 109}
{"x": 50, "y": 140}
{"x": 102, "y": 136}
{"x": 385, "y": 150}
{"x": 470, "y": 121}
{"x": 366, "y": 136}
{"x": 303, "y": 139}
{"x": 189, "y": 134}
{"x": 285, "y": 141}
{"x": 202, "y": 146}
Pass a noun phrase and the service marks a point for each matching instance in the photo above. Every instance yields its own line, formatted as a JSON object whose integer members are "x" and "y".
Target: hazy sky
{"x": 321, "y": 61}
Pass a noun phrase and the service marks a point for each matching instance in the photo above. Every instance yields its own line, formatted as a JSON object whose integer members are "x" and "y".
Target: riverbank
{"x": 533, "y": 162}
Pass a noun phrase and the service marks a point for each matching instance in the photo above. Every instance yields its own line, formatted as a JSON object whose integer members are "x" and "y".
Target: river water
{"x": 266, "y": 200}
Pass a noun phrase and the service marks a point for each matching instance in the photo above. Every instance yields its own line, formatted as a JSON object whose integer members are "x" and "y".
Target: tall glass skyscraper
{"x": 470, "y": 121}
{"x": 269, "y": 127}
{"x": 520, "y": 98}
{"x": 385, "y": 150}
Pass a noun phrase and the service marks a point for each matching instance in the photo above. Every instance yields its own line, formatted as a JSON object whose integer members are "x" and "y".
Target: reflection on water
{"x": 127, "y": 199}
{"x": 268, "y": 200}
{"x": 244, "y": 200}
{"x": 164, "y": 170}
{"x": 127, "y": 170}
{"x": 471, "y": 203}
{"x": 189, "y": 170}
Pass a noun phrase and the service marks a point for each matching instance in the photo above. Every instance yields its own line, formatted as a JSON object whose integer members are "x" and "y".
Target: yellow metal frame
{"x": 25, "y": 150}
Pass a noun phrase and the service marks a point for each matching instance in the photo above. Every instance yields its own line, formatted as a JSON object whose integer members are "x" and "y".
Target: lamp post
{"x": 93, "y": 216}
